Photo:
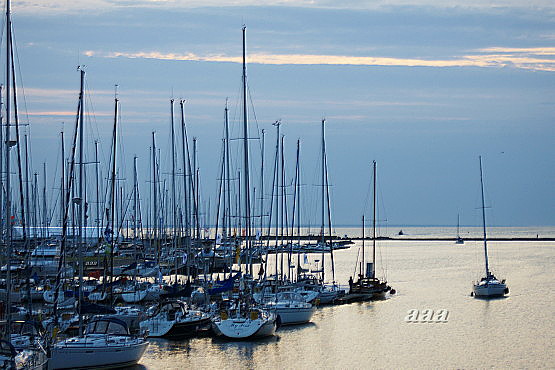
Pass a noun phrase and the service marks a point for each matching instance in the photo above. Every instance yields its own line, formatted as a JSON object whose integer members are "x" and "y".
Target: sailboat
{"x": 488, "y": 286}
{"x": 368, "y": 285}
{"x": 173, "y": 319}
{"x": 458, "y": 240}
{"x": 240, "y": 318}
{"x": 106, "y": 342}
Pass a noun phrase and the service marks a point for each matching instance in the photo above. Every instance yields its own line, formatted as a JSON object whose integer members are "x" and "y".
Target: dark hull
{"x": 188, "y": 329}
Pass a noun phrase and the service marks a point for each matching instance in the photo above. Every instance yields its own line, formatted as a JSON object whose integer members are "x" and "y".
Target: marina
{"x": 137, "y": 239}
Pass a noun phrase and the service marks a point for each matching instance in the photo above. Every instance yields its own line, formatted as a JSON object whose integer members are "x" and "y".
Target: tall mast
{"x": 135, "y": 199}
{"x": 154, "y": 197}
{"x": 97, "y": 208}
{"x": 262, "y": 182}
{"x": 484, "y": 219}
{"x": 62, "y": 179}
{"x": 374, "y": 226}
{"x": 362, "y": 264}
{"x": 246, "y": 158}
{"x": 458, "y": 224}
{"x": 227, "y": 195}
{"x": 113, "y": 227}
{"x": 44, "y": 206}
{"x": 185, "y": 156}
{"x": 174, "y": 201}
{"x": 80, "y": 201}
{"x": 195, "y": 190}
{"x": 276, "y": 178}
{"x": 322, "y": 230}
{"x": 3, "y": 223}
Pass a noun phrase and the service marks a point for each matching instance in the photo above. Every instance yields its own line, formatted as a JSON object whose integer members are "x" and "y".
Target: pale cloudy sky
{"x": 423, "y": 87}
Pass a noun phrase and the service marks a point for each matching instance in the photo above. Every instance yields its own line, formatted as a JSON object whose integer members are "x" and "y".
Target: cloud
{"x": 55, "y": 7}
{"x": 523, "y": 58}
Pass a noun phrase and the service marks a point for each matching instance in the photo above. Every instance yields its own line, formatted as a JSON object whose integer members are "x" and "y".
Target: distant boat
{"x": 400, "y": 232}
{"x": 458, "y": 240}
{"x": 488, "y": 286}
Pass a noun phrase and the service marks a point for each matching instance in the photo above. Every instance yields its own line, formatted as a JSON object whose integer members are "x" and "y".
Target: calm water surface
{"x": 513, "y": 332}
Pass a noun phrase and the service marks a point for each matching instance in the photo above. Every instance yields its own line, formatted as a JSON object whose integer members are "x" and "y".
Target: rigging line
{"x": 20, "y": 77}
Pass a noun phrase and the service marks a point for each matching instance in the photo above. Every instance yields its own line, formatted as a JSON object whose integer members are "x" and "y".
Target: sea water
{"x": 432, "y": 321}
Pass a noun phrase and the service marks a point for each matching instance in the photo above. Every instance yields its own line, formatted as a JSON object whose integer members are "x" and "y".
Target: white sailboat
{"x": 106, "y": 343}
{"x": 242, "y": 322}
{"x": 290, "y": 308}
{"x": 488, "y": 286}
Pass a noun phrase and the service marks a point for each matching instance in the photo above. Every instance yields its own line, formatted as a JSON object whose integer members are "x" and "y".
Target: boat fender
{"x": 392, "y": 291}
{"x": 472, "y": 294}
{"x": 506, "y": 290}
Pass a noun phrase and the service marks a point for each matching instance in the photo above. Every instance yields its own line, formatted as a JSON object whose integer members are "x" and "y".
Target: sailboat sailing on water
{"x": 488, "y": 286}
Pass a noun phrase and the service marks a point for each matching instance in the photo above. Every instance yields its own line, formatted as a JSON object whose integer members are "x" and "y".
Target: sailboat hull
{"x": 294, "y": 315}
{"x": 491, "y": 289}
{"x": 245, "y": 328}
{"x": 96, "y": 352}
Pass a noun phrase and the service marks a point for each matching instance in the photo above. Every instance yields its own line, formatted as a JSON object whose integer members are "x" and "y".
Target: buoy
{"x": 472, "y": 294}
{"x": 392, "y": 291}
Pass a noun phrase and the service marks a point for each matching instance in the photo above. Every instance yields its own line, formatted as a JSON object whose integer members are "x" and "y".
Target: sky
{"x": 422, "y": 87}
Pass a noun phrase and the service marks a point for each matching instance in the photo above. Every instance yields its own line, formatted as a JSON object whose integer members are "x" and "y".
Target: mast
{"x": 7, "y": 182}
{"x": 362, "y": 264}
{"x": 246, "y": 159}
{"x": 67, "y": 196}
{"x": 62, "y": 179}
{"x": 80, "y": 202}
{"x": 297, "y": 208}
{"x": 135, "y": 200}
{"x": 44, "y": 206}
{"x": 97, "y": 190}
{"x": 322, "y": 230}
{"x": 283, "y": 207}
{"x": 458, "y": 224}
{"x": 174, "y": 201}
{"x": 484, "y": 219}
{"x": 154, "y": 198}
{"x": 374, "y": 226}
{"x": 262, "y": 183}
{"x": 113, "y": 193}
{"x": 276, "y": 182}
{"x": 227, "y": 196}
{"x": 185, "y": 157}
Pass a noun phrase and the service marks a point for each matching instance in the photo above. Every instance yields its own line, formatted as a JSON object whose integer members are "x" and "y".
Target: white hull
{"x": 95, "y": 351}
{"x": 491, "y": 289}
{"x": 49, "y": 297}
{"x": 134, "y": 297}
{"x": 291, "y": 316}
{"x": 243, "y": 328}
